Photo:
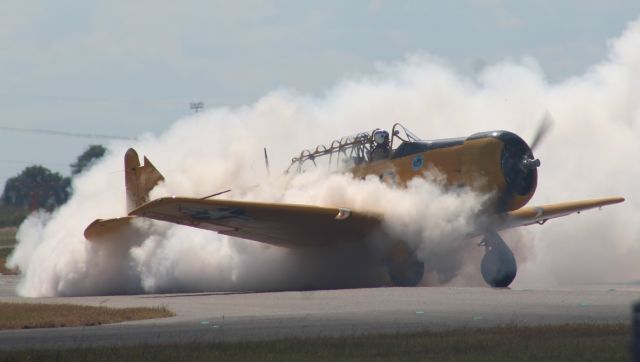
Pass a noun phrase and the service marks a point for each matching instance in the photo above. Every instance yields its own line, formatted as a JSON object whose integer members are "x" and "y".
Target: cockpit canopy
{"x": 351, "y": 151}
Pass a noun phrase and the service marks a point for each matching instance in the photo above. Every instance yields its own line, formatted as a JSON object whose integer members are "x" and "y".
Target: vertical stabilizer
{"x": 139, "y": 180}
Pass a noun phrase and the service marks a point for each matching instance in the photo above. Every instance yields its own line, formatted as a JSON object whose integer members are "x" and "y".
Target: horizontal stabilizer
{"x": 102, "y": 227}
{"x": 139, "y": 180}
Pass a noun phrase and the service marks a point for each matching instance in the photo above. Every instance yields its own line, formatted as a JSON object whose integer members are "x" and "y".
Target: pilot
{"x": 380, "y": 145}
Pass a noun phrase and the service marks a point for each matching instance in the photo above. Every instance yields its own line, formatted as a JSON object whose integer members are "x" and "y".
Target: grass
{"x": 510, "y": 343}
{"x": 8, "y": 236}
{"x": 5, "y": 251}
{"x": 28, "y": 315}
{"x": 7, "y": 243}
{"x": 12, "y": 215}
{"x": 6, "y": 271}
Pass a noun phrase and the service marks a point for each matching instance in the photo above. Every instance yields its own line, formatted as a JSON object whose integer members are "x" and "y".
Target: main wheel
{"x": 498, "y": 265}
{"x": 407, "y": 273}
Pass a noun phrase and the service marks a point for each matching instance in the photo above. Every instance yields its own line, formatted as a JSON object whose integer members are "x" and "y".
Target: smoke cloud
{"x": 592, "y": 151}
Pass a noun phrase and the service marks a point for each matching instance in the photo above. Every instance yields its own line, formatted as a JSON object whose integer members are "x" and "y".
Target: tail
{"x": 139, "y": 180}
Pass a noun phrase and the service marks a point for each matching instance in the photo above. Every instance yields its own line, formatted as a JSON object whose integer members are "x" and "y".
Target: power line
{"x": 66, "y": 134}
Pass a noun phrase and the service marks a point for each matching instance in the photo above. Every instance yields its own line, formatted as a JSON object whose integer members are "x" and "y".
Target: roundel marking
{"x": 417, "y": 163}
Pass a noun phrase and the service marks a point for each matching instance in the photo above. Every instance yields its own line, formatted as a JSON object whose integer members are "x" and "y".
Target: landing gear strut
{"x": 498, "y": 265}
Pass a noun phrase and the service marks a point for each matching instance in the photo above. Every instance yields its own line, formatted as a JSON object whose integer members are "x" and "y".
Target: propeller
{"x": 545, "y": 125}
{"x": 543, "y": 128}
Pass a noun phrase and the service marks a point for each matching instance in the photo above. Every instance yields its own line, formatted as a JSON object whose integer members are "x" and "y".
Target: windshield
{"x": 346, "y": 152}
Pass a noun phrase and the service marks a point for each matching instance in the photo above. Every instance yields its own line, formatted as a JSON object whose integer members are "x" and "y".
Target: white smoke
{"x": 591, "y": 151}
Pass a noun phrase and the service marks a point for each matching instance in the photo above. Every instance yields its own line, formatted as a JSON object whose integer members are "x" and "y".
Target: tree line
{"x": 37, "y": 187}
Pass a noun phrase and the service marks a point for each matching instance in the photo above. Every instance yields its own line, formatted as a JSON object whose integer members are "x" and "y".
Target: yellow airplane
{"x": 498, "y": 163}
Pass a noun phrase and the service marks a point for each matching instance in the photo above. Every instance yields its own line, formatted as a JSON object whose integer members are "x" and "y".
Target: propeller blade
{"x": 545, "y": 125}
{"x": 266, "y": 161}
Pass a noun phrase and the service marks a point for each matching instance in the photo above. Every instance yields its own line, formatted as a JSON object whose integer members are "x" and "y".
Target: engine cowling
{"x": 500, "y": 162}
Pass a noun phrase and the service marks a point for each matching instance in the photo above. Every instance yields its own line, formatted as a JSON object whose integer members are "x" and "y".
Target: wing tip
{"x": 614, "y": 200}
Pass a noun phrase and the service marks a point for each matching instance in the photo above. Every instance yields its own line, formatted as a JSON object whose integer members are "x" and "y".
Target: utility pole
{"x": 196, "y": 106}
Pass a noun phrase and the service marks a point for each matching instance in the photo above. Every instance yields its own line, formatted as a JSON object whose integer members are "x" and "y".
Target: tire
{"x": 407, "y": 274}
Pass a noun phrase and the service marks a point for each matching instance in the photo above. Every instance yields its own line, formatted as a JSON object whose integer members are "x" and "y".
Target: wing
{"x": 540, "y": 214}
{"x": 296, "y": 226}
{"x": 287, "y": 225}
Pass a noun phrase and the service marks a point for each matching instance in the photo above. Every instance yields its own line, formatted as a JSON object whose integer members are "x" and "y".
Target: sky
{"x": 130, "y": 68}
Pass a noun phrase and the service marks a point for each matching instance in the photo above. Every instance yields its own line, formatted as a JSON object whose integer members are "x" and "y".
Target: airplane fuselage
{"x": 497, "y": 162}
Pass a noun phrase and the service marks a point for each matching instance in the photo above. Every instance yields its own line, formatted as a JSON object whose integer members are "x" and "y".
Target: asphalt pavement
{"x": 222, "y": 317}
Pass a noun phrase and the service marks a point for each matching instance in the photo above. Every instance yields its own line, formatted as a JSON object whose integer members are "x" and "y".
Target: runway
{"x": 219, "y": 317}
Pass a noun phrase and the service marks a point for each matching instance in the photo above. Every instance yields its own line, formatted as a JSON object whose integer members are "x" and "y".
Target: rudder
{"x": 139, "y": 179}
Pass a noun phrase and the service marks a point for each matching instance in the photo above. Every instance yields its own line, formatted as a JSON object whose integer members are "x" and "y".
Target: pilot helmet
{"x": 380, "y": 136}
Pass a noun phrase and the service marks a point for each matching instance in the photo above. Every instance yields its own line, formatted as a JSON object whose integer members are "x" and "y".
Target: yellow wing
{"x": 296, "y": 226}
{"x": 287, "y": 225}
{"x": 540, "y": 214}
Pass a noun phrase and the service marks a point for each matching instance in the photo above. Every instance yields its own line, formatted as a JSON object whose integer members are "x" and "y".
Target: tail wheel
{"x": 498, "y": 265}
